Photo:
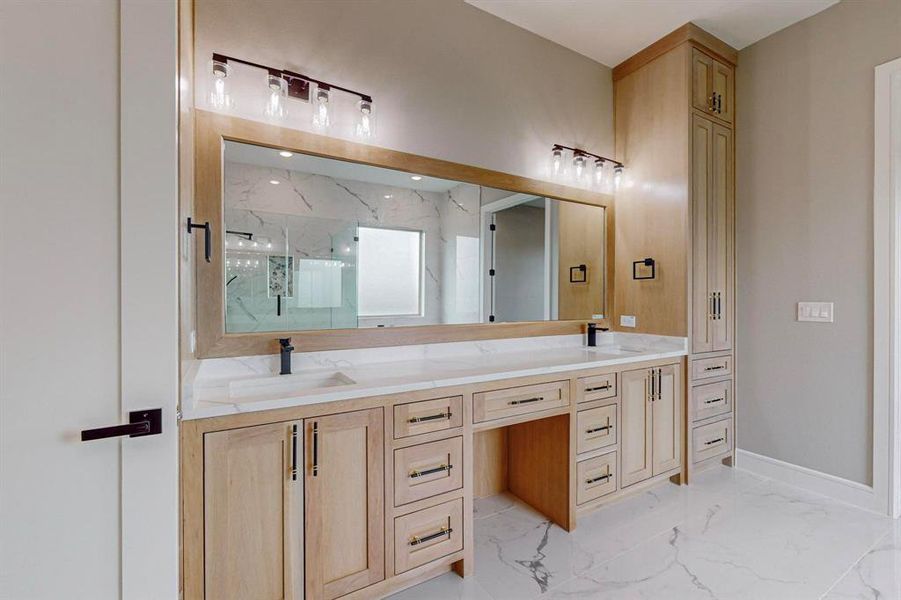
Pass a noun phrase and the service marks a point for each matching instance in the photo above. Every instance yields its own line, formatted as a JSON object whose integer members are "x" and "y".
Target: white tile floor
{"x": 728, "y": 535}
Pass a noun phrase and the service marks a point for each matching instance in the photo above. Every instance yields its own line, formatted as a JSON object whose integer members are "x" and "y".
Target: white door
{"x": 88, "y": 298}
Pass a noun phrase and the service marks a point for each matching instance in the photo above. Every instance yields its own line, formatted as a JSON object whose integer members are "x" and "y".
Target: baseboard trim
{"x": 837, "y": 488}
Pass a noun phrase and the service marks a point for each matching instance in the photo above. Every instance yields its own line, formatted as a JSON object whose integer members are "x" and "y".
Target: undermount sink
{"x": 298, "y": 382}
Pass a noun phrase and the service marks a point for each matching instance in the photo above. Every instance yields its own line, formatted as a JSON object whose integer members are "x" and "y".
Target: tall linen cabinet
{"x": 675, "y": 115}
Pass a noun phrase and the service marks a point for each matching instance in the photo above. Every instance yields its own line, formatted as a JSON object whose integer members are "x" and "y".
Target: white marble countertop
{"x": 228, "y": 386}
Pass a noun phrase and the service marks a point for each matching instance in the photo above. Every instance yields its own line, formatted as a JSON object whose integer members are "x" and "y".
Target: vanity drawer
{"x": 427, "y": 416}
{"x": 427, "y": 535}
{"x": 706, "y": 368}
{"x": 596, "y": 477}
{"x": 711, "y": 440}
{"x": 597, "y": 387}
{"x": 712, "y": 399}
{"x": 427, "y": 470}
{"x": 497, "y": 404}
{"x": 597, "y": 428}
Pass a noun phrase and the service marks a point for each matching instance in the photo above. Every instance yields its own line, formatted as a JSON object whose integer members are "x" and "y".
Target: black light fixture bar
{"x": 302, "y": 90}
{"x": 580, "y": 152}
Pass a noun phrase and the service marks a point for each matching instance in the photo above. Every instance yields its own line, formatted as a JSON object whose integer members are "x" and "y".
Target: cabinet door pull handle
{"x": 294, "y": 453}
{"x": 599, "y": 478}
{"x": 716, "y": 368}
{"x": 719, "y": 104}
{"x": 416, "y": 540}
{"x": 601, "y": 388}
{"x": 712, "y": 103}
{"x": 414, "y": 474}
{"x": 660, "y": 384}
{"x": 653, "y": 386}
{"x": 716, "y": 441}
{"x": 597, "y": 429}
{"x": 315, "y": 449}
{"x": 441, "y": 416}
{"x": 526, "y": 401}
{"x": 714, "y": 400}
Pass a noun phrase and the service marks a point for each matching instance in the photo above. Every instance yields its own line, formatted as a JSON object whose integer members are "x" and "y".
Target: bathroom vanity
{"x": 360, "y": 480}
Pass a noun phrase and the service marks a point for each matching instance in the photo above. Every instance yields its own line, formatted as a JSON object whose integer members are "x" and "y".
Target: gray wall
{"x": 450, "y": 81}
{"x": 804, "y": 232}
{"x": 519, "y": 260}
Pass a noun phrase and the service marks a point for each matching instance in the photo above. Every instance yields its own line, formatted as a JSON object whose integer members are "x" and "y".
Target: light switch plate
{"x": 817, "y": 312}
{"x": 627, "y": 321}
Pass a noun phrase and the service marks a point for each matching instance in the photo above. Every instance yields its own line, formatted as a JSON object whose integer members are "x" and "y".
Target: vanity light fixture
{"x": 286, "y": 154}
{"x": 284, "y": 84}
{"x": 580, "y": 165}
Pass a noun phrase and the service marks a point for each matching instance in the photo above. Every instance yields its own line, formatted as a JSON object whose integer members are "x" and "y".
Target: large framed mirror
{"x": 338, "y": 245}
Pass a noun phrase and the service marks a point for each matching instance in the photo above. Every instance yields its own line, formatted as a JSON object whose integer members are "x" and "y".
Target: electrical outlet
{"x": 816, "y": 312}
{"x": 627, "y": 321}
{"x": 597, "y": 316}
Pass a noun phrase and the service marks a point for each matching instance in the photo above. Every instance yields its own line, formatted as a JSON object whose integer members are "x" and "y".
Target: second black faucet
{"x": 286, "y": 350}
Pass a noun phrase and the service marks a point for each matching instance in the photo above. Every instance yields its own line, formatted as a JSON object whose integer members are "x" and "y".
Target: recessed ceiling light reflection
{"x": 286, "y": 154}
{"x": 415, "y": 177}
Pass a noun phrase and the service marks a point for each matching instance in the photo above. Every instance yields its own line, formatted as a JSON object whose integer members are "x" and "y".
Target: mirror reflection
{"x": 317, "y": 243}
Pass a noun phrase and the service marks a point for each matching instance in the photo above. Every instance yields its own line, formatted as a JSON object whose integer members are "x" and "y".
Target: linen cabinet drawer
{"x": 597, "y": 428}
{"x": 427, "y": 535}
{"x": 597, "y": 387}
{"x": 427, "y": 470}
{"x": 705, "y": 368}
{"x": 427, "y": 416}
{"x": 509, "y": 402}
{"x": 712, "y": 399}
{"x": 711, "y": 440}
{"x": 596, "y": 477}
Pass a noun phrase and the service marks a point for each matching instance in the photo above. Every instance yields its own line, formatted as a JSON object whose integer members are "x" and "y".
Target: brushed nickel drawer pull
{"x": 414, "y": 473}
{"x": 294, "y": 453}
{"x": 716, "y": 441}
{"x": 714, "y": 400}
{"x": 416, "y": 540}
{"x": 597, "y": 429}
{"x": 315, "y": 449}
{"x": 445, "y": 415}
{"x": 716, "y": 368}
{"x": 601, "y": 388}
{"x": 599, "y": 478}
{"x": 526, "y": 401}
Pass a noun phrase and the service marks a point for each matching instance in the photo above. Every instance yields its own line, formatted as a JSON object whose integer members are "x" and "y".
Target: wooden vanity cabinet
{"x": 651, "y": 423}
{"x": 345, "y": 502}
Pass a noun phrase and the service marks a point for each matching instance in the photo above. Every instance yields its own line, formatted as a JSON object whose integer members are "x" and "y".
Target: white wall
{"x": 59, "y": 298}
{"x": 449, "y": 81}
{"x": 804, "y": 146}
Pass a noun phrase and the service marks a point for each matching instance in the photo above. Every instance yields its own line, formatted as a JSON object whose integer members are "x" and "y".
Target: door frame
{"x": 887, "y": 290}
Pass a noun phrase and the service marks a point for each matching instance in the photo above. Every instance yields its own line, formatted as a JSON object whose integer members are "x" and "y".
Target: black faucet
{"x": 593, "y": 333}
{"x": 287, "y": 349}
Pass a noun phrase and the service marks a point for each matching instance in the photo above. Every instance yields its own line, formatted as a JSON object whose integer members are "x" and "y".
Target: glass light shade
{"x": 618, "y": 176}
{"x": 365, "y": 127}
{"x": 321, "y": 109}
{"x": 277, "y": 99}
{"x": 599, "y": 173}
{"x": 219, "y": 95}
{"x": 579, "y": 165}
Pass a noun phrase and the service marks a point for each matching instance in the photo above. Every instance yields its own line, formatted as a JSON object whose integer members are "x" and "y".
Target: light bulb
{"x": 578, "y": 166}
{"x": 321, "y": 117}
{"x": 599, "y": 172}
{"x": 365, "y": 128}
{"x": 557, "y": 162}
{"x": 219, "y": 96}
{"x": 277, "y": 103}
{"x": 617, "y": 176}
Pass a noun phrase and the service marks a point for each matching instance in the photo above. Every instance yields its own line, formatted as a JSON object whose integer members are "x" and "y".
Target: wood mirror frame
{"x": 213, "y": 129}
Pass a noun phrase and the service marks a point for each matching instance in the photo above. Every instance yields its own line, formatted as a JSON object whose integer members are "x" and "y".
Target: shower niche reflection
{"x": 316, "y": 243}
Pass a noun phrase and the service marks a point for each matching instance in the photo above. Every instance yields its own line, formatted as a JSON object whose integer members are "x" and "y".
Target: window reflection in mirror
{"x": 317, "y": 243}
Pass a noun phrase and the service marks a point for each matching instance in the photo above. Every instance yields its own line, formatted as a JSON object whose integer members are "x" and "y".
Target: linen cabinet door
{"x": 703, "y": 301}
{"x": 253, "y": 513}
{"x": 722, "y": 89}
{"x": 720, "y": 218}
{"x": 636, "y": 427}
{"x": 345, "y": 514}
{"x": 702, "y": 69}
{"x": 667, "y": 419}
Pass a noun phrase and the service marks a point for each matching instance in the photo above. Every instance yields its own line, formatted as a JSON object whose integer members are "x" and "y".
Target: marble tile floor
{"x": 729, "y": 535}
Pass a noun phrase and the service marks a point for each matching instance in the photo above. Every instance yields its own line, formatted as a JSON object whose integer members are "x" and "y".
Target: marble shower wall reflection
{"x": 293, "y": 259}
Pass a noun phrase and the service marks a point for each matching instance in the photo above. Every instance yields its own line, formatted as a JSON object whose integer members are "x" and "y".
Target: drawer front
{"x": 597, "y": 387}
{"x": 596, "y": 477}
{"x": 427, "y": 535}
{"x": 427, "y": 416}
{"x": 706, "y": 368}
{"x": 597, "y": 428}
{"x": 711, "y": 440}
{"x": 427, "y": 469}
{"x": 497, "y": 404}
{"x": 712, "y": 399}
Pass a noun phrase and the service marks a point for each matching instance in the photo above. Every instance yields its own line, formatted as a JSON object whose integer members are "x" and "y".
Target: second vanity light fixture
{"x": 585, "y": 169}
{"x": 282, "y": 85}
